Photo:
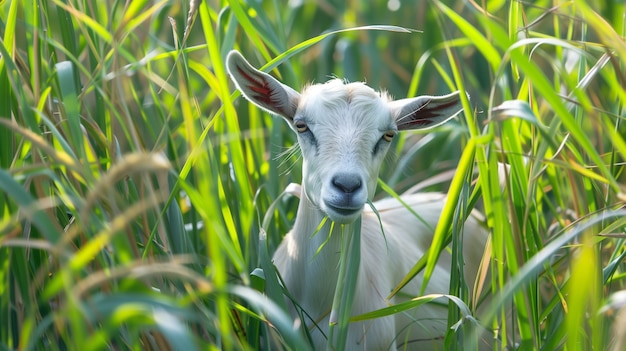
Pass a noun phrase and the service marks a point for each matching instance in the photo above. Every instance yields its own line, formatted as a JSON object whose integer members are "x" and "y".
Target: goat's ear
{"x": 425, "y": 111}
{"x": 262, "y": 89}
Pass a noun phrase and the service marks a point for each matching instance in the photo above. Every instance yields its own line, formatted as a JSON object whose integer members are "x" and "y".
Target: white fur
{"x": 343, "y": 146}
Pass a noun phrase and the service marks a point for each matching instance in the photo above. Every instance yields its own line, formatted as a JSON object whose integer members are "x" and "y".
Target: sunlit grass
{"x": 140, "y": 194}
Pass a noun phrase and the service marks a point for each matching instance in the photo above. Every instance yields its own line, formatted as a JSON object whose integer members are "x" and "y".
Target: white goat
{"x": 344, "y": 131}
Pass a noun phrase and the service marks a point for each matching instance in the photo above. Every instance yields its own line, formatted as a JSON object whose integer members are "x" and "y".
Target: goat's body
{"x": 311, "y": 276}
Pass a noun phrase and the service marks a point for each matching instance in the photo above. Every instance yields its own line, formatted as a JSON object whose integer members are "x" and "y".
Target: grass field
{"x": 142, "y": 198}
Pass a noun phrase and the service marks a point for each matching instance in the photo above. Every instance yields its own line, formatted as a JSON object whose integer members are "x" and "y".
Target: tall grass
{"x": 141, "y": 199}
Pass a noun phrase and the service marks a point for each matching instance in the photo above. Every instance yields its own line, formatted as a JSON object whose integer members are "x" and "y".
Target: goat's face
{"x": 344, "y": 131}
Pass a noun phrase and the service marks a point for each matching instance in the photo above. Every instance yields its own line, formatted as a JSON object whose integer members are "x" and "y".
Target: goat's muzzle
{"x": 345, "y": 197}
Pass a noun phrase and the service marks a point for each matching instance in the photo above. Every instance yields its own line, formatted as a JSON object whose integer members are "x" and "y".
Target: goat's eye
{"x": 388, "y": 136}
{"x": 301, "y": 126}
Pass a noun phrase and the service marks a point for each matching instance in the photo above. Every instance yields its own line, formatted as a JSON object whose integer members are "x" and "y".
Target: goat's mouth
{"x": 342, "y": 215}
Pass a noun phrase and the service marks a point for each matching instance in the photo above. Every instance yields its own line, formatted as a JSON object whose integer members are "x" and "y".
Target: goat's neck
{"x": 318, "y": 253}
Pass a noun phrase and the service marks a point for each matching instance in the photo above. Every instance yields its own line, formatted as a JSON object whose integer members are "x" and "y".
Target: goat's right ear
{"x": 262, "y": 89}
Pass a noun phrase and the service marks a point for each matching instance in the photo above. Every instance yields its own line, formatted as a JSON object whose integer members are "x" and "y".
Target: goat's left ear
{"x": 424, "y": 112}
{"x": 262, "y": 89}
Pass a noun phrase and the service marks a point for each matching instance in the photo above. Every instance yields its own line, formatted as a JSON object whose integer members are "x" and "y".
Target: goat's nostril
{"x": 347, "y": 183}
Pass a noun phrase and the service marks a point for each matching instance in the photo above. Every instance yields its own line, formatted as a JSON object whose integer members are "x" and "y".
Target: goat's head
{"x": 344, "y": 131}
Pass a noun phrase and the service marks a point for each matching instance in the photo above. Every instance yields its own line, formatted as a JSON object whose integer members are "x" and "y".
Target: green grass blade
{"x": 346, "y": 285}
{"x": 441, "y": 232}
{"x": 30, "y": 209}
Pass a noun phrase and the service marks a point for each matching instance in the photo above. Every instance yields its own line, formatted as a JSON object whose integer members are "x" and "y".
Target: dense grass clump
{"x": 141, "y": 199}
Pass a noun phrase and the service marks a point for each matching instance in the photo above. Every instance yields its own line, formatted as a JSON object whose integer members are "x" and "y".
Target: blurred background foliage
{"x": 139, "y": 195}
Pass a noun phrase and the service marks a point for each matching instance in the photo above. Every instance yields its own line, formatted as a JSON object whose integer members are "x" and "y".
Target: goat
{"x": 344, "y": 131}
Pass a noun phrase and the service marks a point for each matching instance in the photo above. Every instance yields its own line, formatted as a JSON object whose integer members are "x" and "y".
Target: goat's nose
{"x": 348, "y": 183}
